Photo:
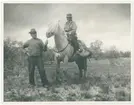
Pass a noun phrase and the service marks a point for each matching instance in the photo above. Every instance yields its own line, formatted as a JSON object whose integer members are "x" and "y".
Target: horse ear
{"x": 58, "y": 22}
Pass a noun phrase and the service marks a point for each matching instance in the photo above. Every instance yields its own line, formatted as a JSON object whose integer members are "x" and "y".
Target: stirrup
{"x": 80, "y": 50}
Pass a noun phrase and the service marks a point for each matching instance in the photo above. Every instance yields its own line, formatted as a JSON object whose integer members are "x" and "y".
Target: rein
{"x": 61, "y": 50}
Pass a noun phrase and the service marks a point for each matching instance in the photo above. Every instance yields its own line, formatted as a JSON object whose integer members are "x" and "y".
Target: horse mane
{"x": 52, "y": 27}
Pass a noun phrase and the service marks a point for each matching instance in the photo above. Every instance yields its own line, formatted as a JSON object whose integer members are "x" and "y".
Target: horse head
{"x": 53, "y": 30}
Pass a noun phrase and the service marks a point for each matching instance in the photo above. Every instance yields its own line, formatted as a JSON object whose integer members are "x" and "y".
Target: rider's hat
{"x": 32, "y": 31}
{"x": 69, "y": 15}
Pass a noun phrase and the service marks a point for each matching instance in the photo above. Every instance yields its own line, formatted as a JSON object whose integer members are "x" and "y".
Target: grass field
{"x": 107, "y": 80}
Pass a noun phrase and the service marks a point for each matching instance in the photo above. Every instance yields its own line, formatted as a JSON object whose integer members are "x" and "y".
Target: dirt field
{"x": 107, "y": 80}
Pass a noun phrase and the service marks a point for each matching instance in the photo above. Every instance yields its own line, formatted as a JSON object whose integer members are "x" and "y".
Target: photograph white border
{"x": 76, "y": 102}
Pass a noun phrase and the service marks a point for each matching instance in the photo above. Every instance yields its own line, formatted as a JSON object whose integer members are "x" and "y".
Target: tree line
{"x": 14, "y": 54}
{"x": 112, "y": 52}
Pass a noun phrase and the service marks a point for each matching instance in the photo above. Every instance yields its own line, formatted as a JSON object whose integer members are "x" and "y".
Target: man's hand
{"x": 25, "y": 52}
{"x": 46, "y": 42}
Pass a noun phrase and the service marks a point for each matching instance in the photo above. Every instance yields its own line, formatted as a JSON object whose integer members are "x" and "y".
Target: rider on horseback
{"x": 70, "y": 29}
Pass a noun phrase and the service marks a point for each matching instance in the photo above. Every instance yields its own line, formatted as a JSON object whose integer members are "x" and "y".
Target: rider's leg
{"x": 76, "y": 44}
{"x": 73, "y": 42}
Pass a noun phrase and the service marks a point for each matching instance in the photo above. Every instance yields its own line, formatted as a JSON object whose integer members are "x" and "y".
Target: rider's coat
{"x": 70, "y": 27}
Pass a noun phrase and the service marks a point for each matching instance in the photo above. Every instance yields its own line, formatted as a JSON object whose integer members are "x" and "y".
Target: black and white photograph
{"x": 58, "y": 52}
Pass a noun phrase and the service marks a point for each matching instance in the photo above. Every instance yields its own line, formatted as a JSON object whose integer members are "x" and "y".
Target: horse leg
{"x": 66, "y": 60}
{"x": 57, "y": 70}
{"x": 85, "y": 73}
{"x": 78, "y": 62}
{"x": 80, "y": 71}
{"x": 85, "y": 68}
{"x": 80, "y": 74}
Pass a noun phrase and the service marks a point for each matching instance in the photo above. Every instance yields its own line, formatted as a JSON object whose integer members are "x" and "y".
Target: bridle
{"x": 61, "y": 49}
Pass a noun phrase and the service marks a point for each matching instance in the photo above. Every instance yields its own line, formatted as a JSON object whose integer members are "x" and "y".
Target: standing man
{"x": 70, "y": 29}
{"x": 35, "y": 49}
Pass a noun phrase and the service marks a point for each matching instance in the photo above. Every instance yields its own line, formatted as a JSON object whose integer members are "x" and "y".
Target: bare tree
{"x": 96, "y": 48}
{"x": 113, "y": 52}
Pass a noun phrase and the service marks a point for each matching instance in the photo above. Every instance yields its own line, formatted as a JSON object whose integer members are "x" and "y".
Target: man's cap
{"x": 32, "y": 31}
{"x": 69, "y": 15}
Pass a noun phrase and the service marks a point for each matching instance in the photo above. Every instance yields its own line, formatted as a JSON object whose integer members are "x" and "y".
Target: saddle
{"x": 85, "y": 52}
{"x": 84, "y": 49}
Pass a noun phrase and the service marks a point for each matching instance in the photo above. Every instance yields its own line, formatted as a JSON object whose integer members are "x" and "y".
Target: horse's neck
{"x": 60, "y": 40}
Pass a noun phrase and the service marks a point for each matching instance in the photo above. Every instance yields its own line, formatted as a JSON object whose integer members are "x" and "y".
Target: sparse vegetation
{"x": 107, "y": 79}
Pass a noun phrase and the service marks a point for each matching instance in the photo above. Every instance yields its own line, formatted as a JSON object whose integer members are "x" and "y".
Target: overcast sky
{"x": 109, "y": 23}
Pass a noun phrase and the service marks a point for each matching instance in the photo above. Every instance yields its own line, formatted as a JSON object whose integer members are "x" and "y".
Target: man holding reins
{"x": 35, "y": 57}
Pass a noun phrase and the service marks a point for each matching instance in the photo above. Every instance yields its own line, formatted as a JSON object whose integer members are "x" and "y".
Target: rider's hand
{"x": 68, "y": 33}
{"x": 46, "y": 42}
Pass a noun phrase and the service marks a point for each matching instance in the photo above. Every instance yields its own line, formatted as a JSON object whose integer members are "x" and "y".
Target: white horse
{"x": 64, "y": 50}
